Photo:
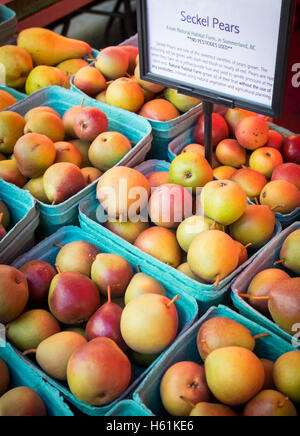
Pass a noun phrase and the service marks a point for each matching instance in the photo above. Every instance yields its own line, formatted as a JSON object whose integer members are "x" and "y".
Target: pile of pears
{"x": 206, "y": 237}
{"x": 42, "y": 58}
{"x": 234, "y": 381}
{"x": 275, "y": 292}
{"x": 248, "y": 152}
{"x": 115, "y": 80}
{"x": 4, "y": 219}
{"x": 20, "y": 401}
{"x": 55, "y": 157}
{"x": 87, "y": 320}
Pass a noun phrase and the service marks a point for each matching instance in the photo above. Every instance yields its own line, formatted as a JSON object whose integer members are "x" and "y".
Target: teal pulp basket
{"x": 187, "y": 307}
{"x": 185, "y": 349}
{"x": 128, "y": 408}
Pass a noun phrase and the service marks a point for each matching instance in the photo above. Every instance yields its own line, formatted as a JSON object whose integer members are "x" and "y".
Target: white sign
{"x": 214, "y": 46}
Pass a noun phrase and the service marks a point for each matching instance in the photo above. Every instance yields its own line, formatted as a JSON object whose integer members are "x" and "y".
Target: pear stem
{"x": 217, "y": 282}
{"x": 276, "y": 207}
{"x": 206, "y": 346}
{"x": 173, "y": 301}
{"x": 53, "y": 203}
{"x": 132, "y": 142}
{"x": 138, "y": 268}
{"x": 1, "y": 217}
{"x": 248, "y": 245}
{"x": 279, "y": 262}
{"x": 109, "y": 82}
{"x": 250, "y": 297}
{"x": 31, "y": 351}
{"x": 58, "y": 269}
{"x": 283, "y": 403}
{"x": 262, "y": 335}
{"x": 82, "y": 103}
{"x": 109, "y": 294}
{"x": 58, "y": 245}
{"x": 187, "y": 401}
{"x": 91, "y": 60}
{"x": 256, "y": 201}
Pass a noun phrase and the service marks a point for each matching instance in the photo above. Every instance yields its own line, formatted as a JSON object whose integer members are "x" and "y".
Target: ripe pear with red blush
{"x": 39, "y": 275}
{"x": 255, "y": 227}
{"x": 73, "y": 298}
{"x": 62, "y": 181}
{"x": 270, "y": 403}
{"x": 113, "y": 62}
{"x": 210, "y": 409}
{"x": 183, "y": 386}
{"x": 132, "y": 53}
{"x": 159, "y": 178}
{"x": 48, "y": 124}
{"x": 77, "y": 256}
{"x": 90, "y": 175}
{"x": 234, "y": 116}
{"x": 251, "y": 181}
{"x": 13, "y": 293}
{"x": 275, "y": 140}
{"x": 90, "y": 81}
{"x": 252, "y": 132}
{"x": 289, "y": 172}
{"x": 289, "y": 253}
{"x": 291, "y": 148}
{"x": 10, "y": 172}
{"x": 162, "y": 244}
{"x": 262, "y": 284}
{"x": 229, "y": 152}
{"x": 220, "y": 130}
{"x": 169, "y": 205}
{"x": 281, "y": 196}
{"x": 113, "y": 271}
{"x": 22, "y": 401}
{"x": 67, "y": 152}
{"x": 106, "y": 323}
{"x": 89, "y": 123}
{"x": 99, "y": 372}
{"x": 220, "y": 332}
{"x": 265, "y": 160}
{"x": 69, "y": 120}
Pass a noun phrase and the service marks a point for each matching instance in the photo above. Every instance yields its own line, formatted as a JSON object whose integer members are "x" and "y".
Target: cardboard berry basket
{"x": 23, "y": 375}
{"x": 206, "y": 294}
{"x": 135, "y": 128}
{"x": 264, "y": 260}
{"x": 187, "y": 137}
{"x": 24, "y": 219}
{"x": 186, "y": 306}
{"x": 185, "y": 349}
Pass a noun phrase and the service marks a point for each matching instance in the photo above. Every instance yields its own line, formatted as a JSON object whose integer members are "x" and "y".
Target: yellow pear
{"x": 18, "y": 64}
{"x": 11, "y": 129}
{"x": 72, "y": 66}
{"x": 43, "y": 76}
{"x": 36, "y": 189}
{"x": 49, "y": 48}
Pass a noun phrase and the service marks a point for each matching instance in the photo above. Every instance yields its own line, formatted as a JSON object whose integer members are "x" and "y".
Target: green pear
{"x": 22, "y": 401}
{"x": 290, "y": 252}
{"x": 49, "y": 48}
{"x": 18, "y": 64}
{"x": 182, "y": 102}
{"x": 234, "y": 375}
{"x": 209, "y": 409}
{"x": 53, "y": 354}
{"x": 143, "y": 284}
{"x": 42, "y": 77}
{"x": 32, "y": 328}
{"x": 6, "y": 214}
{"x": 4, "y": 377}
{"x": 36, "y": 189}
{"x": 14, "y": 293}
{"x": 287, "y": 375}
{"x": 270, "y": 403}
{"x": 10, "y": 172}
{"x": 48, "y": 124}
{"x": 11, "y": 129}
{"x": 77, "y": 256}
